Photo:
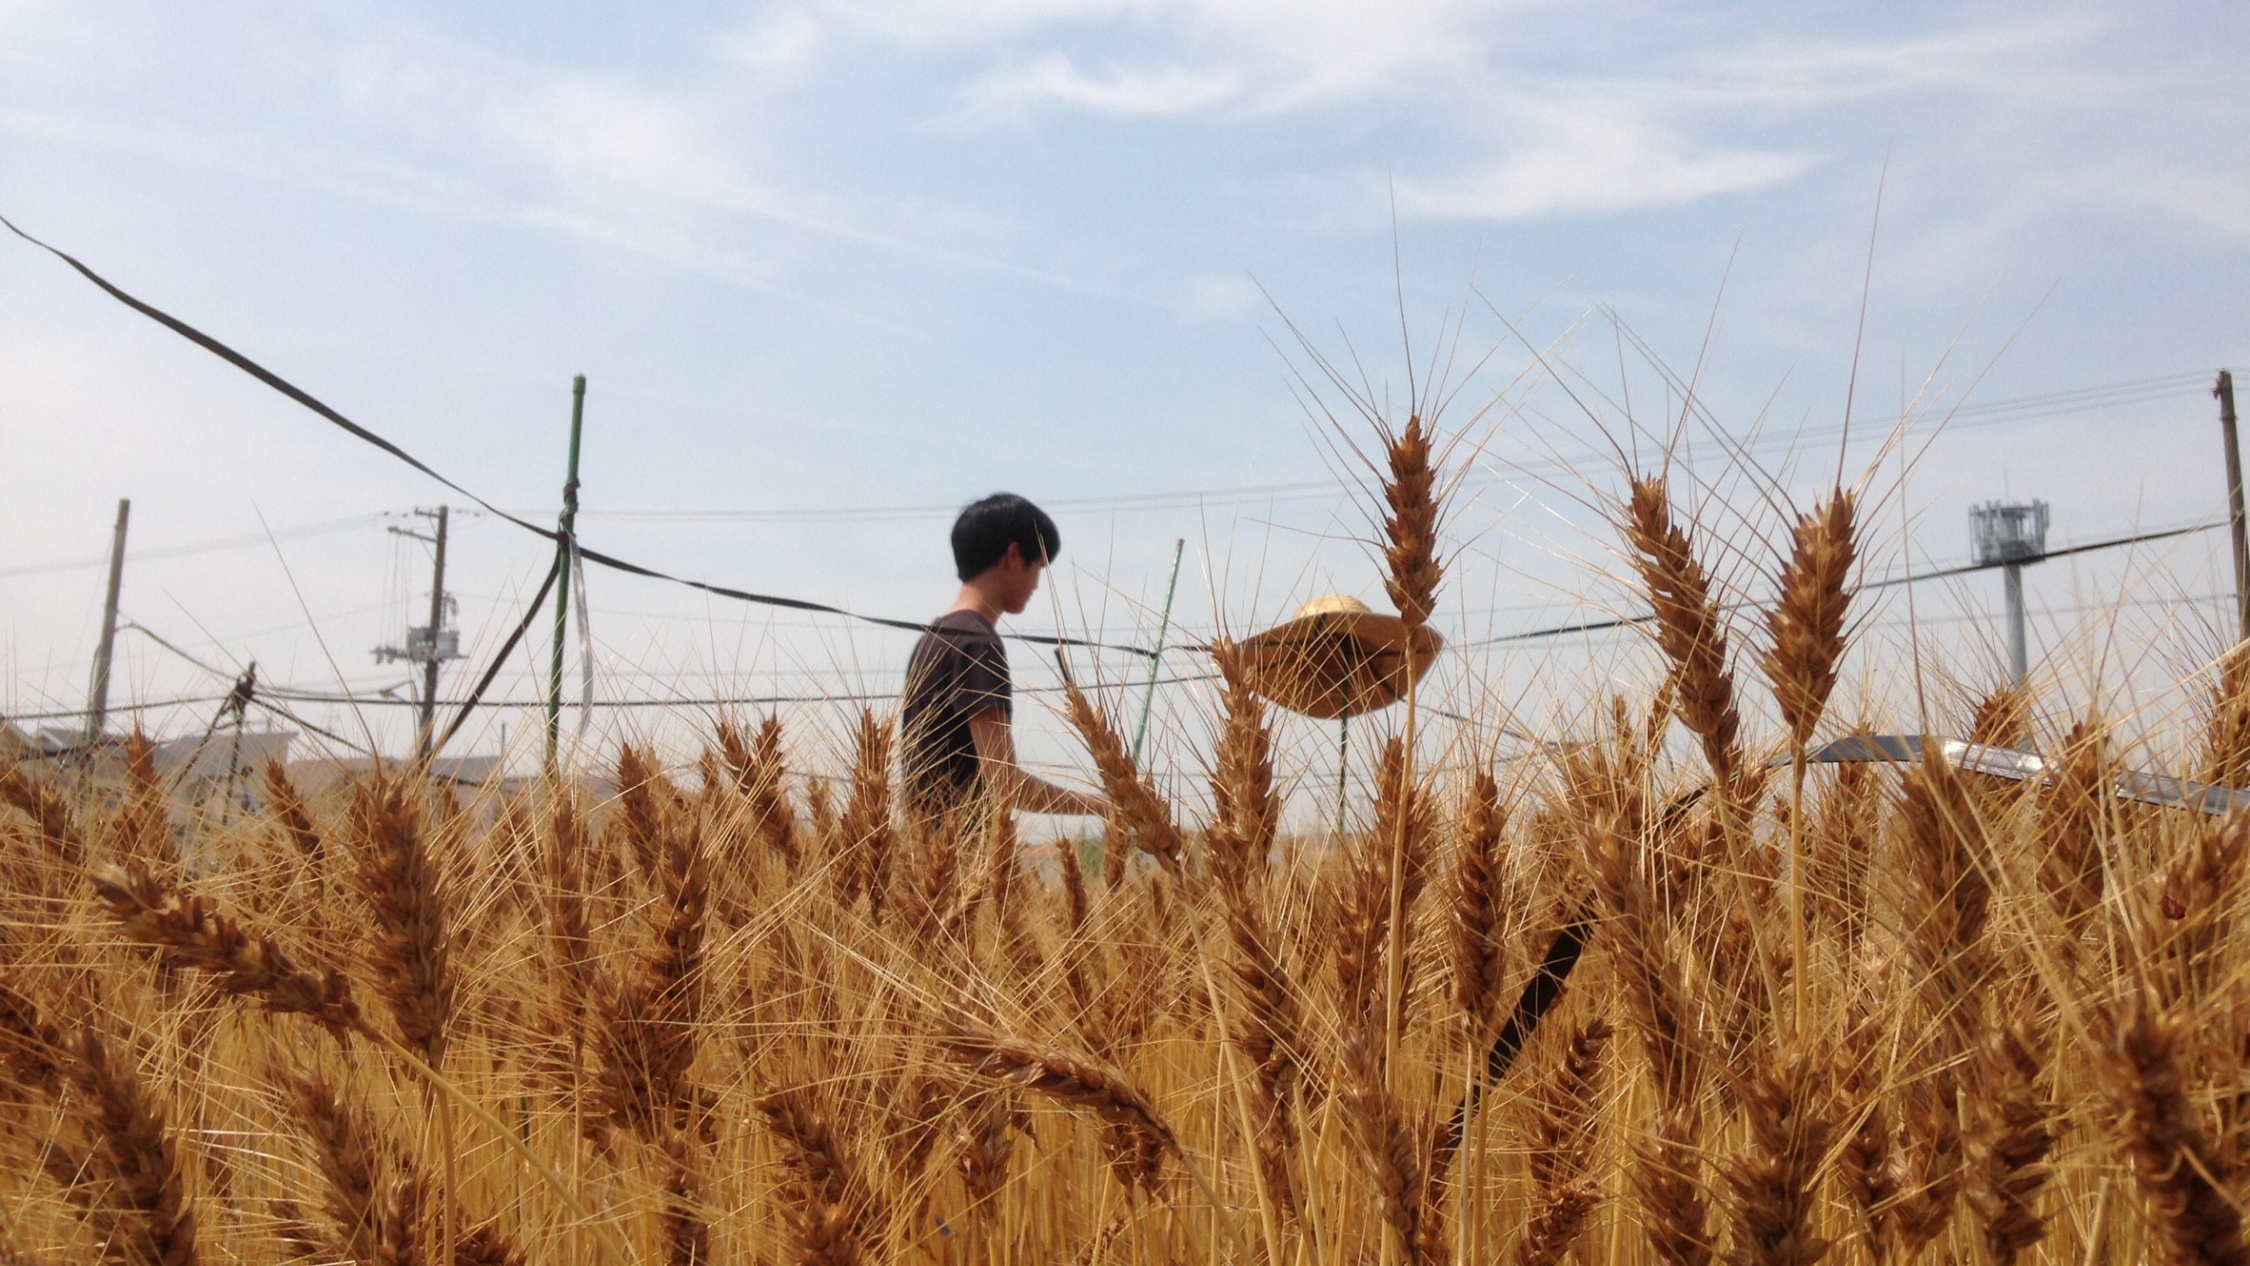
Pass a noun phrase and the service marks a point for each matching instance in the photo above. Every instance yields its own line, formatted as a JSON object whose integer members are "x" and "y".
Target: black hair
{"x": 985, "y": 530}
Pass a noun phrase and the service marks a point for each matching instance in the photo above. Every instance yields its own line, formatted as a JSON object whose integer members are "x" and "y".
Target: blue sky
{"x": 855, "y": 255}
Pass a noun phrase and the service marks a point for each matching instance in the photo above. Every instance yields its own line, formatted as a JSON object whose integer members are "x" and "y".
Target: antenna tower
{"x": 2008, "y": 535}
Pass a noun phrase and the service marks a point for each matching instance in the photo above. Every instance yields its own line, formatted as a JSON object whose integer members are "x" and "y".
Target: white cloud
{"x": 1269, "y": 55}
{"x": 1699, "y": 123}
{"x": 1054, "y": 78}
{"x": 1593, "y": 159}
{"x": 2015, "y": 59}
{"x": 1221, "y": 298}
{"x": 780, "y": 49}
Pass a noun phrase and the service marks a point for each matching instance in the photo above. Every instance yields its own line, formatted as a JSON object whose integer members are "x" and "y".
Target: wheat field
{"x": 730, "y": 1012}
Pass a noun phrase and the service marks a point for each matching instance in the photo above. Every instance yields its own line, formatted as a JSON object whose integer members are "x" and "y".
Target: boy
{"x": 955, "y": 718}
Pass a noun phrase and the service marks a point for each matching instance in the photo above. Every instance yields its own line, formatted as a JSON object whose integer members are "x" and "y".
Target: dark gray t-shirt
{"x": 959, "y": 668}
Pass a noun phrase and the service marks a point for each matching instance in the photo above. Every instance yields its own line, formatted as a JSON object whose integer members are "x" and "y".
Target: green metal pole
{"x": 1350, "y": 651}
{"x": 1343, "y": 766}
{"x": 569, "y": 529}
{"x": 1163, "y": 626}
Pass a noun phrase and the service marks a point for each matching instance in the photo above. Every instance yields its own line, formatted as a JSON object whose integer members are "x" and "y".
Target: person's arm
{"x": 996, "y": 761}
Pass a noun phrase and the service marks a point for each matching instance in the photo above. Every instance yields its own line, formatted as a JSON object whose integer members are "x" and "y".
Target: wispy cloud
{"x": 1055, "y": 78}
{"x": 1243, "y": 56}
{"x": 1592, "y": 157}
{"x": 411, "y": 120}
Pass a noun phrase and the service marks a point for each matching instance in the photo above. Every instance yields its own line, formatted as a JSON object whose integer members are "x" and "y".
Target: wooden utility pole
{"x": 97, "y": 700}
{"x": 427, "y": 729}
{"x": 2225, "y": 392}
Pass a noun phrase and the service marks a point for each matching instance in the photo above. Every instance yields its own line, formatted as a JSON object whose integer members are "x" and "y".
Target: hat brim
{"x": 1337, "y": 663}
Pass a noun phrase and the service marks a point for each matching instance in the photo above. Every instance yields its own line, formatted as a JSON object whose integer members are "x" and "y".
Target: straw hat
{"x": 1335, "y": 656}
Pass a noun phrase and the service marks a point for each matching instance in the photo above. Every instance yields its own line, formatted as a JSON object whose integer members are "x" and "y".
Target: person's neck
{"x": 973, "y": 598}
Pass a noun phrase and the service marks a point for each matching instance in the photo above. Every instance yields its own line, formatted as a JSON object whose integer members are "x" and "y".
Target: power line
{"x": 326, "y": 527}
{"x": 1618, "y": 622}
{"x": 560, "y": 538}
{"x": 2072, "y": 401}
{"x": 2081, "y": 399}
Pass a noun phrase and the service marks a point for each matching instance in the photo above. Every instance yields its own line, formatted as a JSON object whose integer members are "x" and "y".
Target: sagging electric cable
{"x": 551, "y": 535}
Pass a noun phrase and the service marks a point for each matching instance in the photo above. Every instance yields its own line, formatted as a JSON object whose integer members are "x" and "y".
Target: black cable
{"x": 2107, "y": 393}
{"x": 1538, "y": 997}
{"x": 611, "y": 561}
{"x": 1595, "y": 626}
{"x": 484, "y": 682}
{"x": 291, "y": 717}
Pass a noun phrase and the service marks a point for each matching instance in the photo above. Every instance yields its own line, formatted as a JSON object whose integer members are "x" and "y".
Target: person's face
{"x": 1022, "y": 580}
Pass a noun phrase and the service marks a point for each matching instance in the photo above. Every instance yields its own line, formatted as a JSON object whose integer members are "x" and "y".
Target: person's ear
{"x": 1014, "y": 555}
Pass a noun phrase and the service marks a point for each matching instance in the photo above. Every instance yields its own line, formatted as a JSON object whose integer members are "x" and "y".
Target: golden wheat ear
{"x": 2015, "y": 1115}
{"x": 1690, "y": 628}
{"x": 1139, "y": 817}
{"x": 1805, "y": 624}
{"x": 1413, "y": 505}
{"x": 1086, "y": 1084}
{"x": 52, "y": 819}
{"x": 190, "y": 934}
{"x": 290, "y": 813}
{"x": 868, "y": 831}
{"x": 1561, "y": 1155}
{"x": 2226, "y": 737}
{"x": 135, "y": 1181}
{"x": 830, "y": 1211}
{"x": 1775, "y": 1181}
{"x": 352, "y": 1158}
{"x": 1483, "y": 909}
{"x": 2189, "y": 1184}
{"x": 410, "y": 952}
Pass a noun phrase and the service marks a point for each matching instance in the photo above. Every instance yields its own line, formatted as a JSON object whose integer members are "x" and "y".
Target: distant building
{"x": 222, "y": 755}
{"x": 463, "y": 771}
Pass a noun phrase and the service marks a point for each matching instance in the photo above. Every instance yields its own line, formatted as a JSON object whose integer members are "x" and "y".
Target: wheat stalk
{"x": 1806, "y": 626}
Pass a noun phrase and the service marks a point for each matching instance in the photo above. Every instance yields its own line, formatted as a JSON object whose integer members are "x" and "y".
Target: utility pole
{"x": 430, "y": 666}
{"x": 432, "y": 644}
{"x": 2225, "y": 392}
{"x": 97, "y": 702}
{"x": 566, "y": 534}
{"x": 2019, "y": 658}
{"x": 1156, "y": 658}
